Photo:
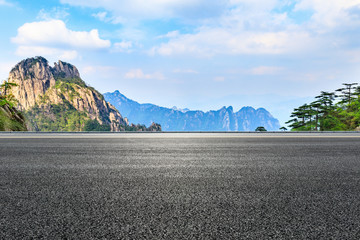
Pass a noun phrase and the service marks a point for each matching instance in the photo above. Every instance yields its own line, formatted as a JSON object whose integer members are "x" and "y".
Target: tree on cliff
{"x": 5, "y": 97}
{"x": 10, "y": 118}
{"x": 332, "y": 111}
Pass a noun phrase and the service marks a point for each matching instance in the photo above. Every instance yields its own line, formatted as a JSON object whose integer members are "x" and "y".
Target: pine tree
{"x": 347, "y": 93}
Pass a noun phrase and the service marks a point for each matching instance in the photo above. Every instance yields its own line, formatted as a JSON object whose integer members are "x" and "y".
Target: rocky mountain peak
{"x": 66, "y": 70}
{"x": 43, "y": 92}
{"x": 230, "y": 109}
{"x": 32, "y": 68}
{"x": 33, "y": 77}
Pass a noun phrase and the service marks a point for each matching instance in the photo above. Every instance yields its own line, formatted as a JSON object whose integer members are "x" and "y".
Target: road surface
{"x": 180, "y": 186}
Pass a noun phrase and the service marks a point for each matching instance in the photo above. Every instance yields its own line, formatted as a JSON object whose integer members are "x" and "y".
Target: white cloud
{"x": 102, "y": 16}
{"x": 140, "y": 9}
{"x": 329, "y": 13}
{"x": 248, "y": 27}
{"x": 55, "y": 33}
{"x": 5, "y": 68}
{"x": 26, "y": 51}
{"x": 53, "y": 39}
{"x": 68, "y": 55}
{"x": 95, "y": 69}
{"x": 235, "y": 18}
{"x": 124, "y": 46}
{"x": 54, "y": 13}
{"x": 131, "y": 33}
{"x": 253, "y": 27}
{"x": 106, "y": 17}
{"x": 209, "y": 42}
{"x": 265, "y": 70}
{"x": 5, "y": 3}
{"x": 236, "y": 27}
{"x": 171, "y": 34}
{"x": 139, "y": 74}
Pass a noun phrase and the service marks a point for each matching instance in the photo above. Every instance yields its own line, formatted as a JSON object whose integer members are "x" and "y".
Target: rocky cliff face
{"x": 65, "y": 70}
{"x": 249, "y": 118}
{"x": 58, "y": 94}
{"x": 33, "y": 77}
{"x": 224, "y": 119}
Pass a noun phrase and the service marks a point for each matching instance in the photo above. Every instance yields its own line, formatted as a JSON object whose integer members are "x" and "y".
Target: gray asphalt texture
{"x": 180, "y": 187}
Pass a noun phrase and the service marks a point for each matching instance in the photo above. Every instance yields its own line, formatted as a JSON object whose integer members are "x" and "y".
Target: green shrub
{"x": 94, "y": 125}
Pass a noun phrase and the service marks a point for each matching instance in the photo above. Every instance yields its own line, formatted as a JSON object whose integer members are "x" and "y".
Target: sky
{"x": 197, "y": 54}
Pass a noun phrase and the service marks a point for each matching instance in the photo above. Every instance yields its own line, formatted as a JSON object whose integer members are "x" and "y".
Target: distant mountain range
{"x": 174, "y": 119}
{"x": 57, "y": 99}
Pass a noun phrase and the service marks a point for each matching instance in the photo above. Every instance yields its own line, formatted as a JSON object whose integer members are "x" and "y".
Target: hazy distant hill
{"x": 172, "y": 119}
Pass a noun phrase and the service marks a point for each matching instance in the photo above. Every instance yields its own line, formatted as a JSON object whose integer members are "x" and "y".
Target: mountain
{"x": 174, "y": 119}
{"x": 57, "y": 99}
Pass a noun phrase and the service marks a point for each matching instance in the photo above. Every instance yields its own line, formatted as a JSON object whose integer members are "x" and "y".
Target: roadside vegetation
{"x": 260, "y": 129}
{"x": 330, "y": 111}
{"x": 94, "y": 125}
{"x": 10, "y": 118}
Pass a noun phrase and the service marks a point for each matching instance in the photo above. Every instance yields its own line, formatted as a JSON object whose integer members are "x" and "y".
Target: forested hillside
{"x": 330, "y": 111}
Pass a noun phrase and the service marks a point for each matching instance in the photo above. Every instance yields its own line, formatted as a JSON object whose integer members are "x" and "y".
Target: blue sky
{"x": 198, "y": 54}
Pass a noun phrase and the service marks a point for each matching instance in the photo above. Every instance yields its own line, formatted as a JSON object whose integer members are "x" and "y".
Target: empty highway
{"x": 180, "y": 186}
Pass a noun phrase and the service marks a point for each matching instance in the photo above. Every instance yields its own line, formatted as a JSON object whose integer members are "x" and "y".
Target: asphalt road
{"x": 173, "y": 186}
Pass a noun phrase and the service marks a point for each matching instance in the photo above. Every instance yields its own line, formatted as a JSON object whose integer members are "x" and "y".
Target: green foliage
{"x": 69, "y": 81}
{"x": 2, "y": 102}
{"x": 57, "y": 117}
{"x": 3, "y": 120}
{"x": 11, "y": 120}
{"x": 260, "y": 129}
{"x": 330, "y": 112}
{"x": 64, "y": 116}
{"x": 43, "y": 98}
{"x": 59, "y": 75}
{"x": 7, "y": 98}
{"x": 135, "y": 128}
{"x": 30, "y": 62}
{"x": 5, "y": 86}
{"x": 155, "y": 127}
{"x": 69, "y": 86}
{"x": 346, "y": 93}
{"x": 94, "y": 125}
{"x": 33, "y": 61}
